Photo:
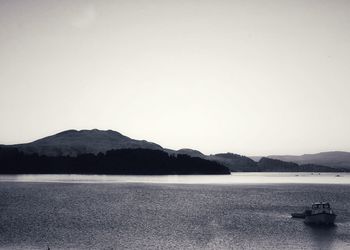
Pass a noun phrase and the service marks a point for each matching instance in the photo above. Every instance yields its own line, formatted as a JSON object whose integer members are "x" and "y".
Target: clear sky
{"x": 254, "y": 77}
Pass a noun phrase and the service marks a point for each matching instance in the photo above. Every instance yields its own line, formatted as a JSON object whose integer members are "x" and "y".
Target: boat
{"x": 320, "y": 213}
{"x": 299, "y": 215}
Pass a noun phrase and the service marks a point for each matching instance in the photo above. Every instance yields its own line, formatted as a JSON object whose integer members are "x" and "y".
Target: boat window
{"x": 325, "y": 205}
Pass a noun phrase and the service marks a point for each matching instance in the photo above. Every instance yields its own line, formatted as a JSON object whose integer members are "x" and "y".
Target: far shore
{"x": 231, "y": 179}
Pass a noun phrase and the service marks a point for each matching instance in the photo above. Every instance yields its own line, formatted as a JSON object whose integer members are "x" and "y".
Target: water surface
{"x": 234, "y": 178}
{"x": 169, "y": 213}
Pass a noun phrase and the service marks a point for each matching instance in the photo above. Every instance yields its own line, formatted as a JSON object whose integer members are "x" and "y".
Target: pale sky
{"x": 252, "y": 77}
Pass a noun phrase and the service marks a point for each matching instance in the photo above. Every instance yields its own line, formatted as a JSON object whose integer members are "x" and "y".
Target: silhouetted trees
{"x": 122, "y": 161}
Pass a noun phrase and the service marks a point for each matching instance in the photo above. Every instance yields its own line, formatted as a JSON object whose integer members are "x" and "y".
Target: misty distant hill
{"x": 74, "y": 142}
{"x": 240, "y": 163}
{"x": 338, "y": 159}
{"x": 235, "y": 162}
{"x": 256, "y": 158}
{"x": 273, "y": 165}
{"x": 190, "y": 152}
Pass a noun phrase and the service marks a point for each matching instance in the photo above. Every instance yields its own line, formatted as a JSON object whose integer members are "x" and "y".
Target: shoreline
{"x": 237, "y": 178}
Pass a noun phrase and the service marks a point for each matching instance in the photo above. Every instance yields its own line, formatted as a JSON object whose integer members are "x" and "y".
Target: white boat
{"x": 320, "y": 213}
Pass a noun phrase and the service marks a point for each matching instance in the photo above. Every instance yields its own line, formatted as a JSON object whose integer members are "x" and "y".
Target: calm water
{"x": 234, "y": 178}
{"x": 245, "y": 211}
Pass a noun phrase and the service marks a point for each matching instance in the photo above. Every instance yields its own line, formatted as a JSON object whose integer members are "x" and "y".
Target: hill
{"x": 235, "y": 162}
{"x": 337, "y": 159}
{"x": 272, "y": 165}
{"x": 74, "y": 142}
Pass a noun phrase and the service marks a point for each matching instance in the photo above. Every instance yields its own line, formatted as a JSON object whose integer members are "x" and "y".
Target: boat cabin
{"x": 321, "y": 207}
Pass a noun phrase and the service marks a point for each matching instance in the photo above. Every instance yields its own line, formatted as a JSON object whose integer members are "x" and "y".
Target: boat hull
{"x": 320, "y": 218}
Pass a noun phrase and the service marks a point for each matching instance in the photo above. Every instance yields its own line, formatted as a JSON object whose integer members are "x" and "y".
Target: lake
{"x": 241, "y": 211}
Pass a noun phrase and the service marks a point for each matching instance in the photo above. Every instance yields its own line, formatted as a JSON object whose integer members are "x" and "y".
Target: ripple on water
{"x": 167, "y": 216}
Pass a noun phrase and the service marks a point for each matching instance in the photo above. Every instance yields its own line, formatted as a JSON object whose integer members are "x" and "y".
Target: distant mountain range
{"x": 335, "y": 159}
{"x": 74, "y": 143}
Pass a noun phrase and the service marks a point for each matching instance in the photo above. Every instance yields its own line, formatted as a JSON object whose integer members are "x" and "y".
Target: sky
{"x": 254, "y": 77}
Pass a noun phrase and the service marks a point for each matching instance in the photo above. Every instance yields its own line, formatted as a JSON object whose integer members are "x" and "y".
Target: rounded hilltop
{"x": 74, "y": 142}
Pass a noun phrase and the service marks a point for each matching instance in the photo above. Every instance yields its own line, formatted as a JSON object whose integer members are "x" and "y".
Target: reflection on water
{"x": 323, "y": 237}
{"x": 234, "y": 178}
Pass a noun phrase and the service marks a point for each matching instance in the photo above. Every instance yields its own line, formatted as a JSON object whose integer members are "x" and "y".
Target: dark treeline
{"x": 123, "y": 161}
